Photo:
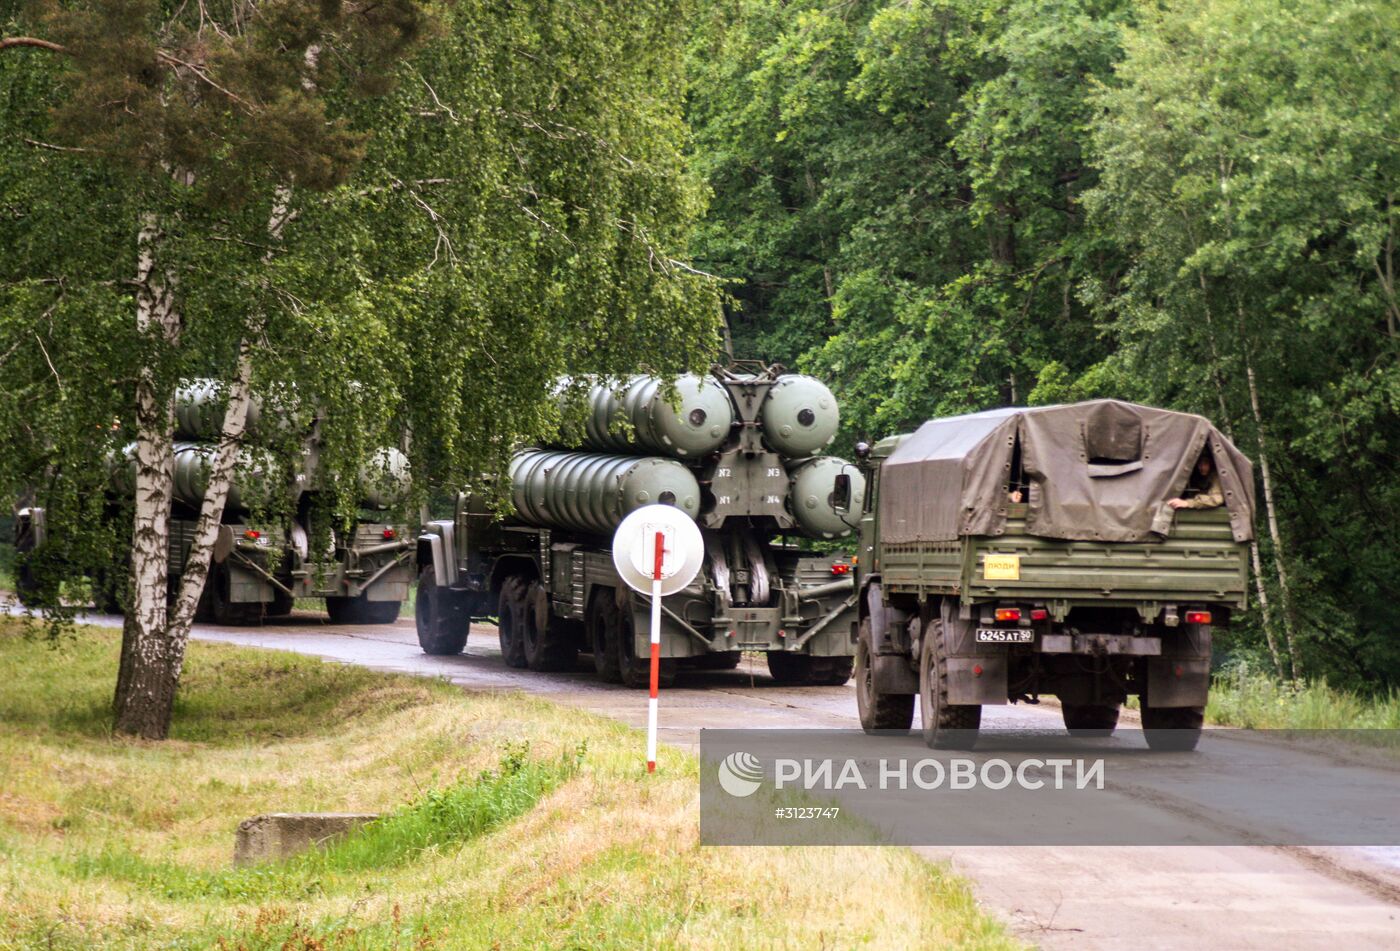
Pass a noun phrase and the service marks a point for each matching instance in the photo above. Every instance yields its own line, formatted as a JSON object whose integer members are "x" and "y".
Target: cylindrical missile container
{"x": 591, "y": 492}
{"x": 384, "y": 479}
{"x": 193, "y": 462}
{"x": 810, "y": 496}
{"x": 199, "y": 411}
{"x": 799, "y": 416}
{"x": 697, "y": 425}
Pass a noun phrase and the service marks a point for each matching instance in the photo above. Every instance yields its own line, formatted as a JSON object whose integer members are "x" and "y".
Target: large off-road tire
{"x": 442, "y": 626}
{"x": 107, "y": 585}
{"x": 602, "y": 620}
{"x": 634, "y": 668}
{"x": 945, "y": 726}
{"x": 878, "y": 711}
{"x": 219, "y": 609}
{"x": 512, "y": 617}
{"x": 808, "y": 671}
{"x": 1090, "y": 719}
{"x": 361, "y": 610}
{"x": 720, "y": 660}
{"x": 27, "y": 588}
{"x": 1172, "y": 729}
{"x": 280, "y": 606}
{"x": 548, "y": 646}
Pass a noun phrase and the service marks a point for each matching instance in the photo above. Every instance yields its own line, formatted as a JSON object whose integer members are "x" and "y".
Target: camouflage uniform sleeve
{"x": 1213, "y": 497}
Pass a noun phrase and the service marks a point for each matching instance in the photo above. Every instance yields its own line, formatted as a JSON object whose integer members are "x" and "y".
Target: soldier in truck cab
{"x": 1202, "y": 489}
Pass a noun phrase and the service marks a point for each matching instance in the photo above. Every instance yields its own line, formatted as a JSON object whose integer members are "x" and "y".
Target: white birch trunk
{"x": 1271, "y": 516}
{"x": 1261, "y": 593}
{"x": 143, "y": 694}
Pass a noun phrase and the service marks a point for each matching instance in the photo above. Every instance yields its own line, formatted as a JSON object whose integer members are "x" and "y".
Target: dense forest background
{"x": 943, "y": 206}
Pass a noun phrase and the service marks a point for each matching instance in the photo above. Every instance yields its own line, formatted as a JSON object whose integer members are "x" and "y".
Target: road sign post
{"x": 657, "y": 550}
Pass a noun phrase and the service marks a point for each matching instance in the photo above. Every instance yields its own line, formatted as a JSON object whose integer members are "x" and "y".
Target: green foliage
{"x": 898, "y": 186}
{"x": 480, "y": 204}
{"x": 1249, "y": 170}
{"x": 949, "y": 205}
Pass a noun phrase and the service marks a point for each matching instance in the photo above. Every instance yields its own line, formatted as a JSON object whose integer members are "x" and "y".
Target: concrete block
{"x": 279, "y": 835}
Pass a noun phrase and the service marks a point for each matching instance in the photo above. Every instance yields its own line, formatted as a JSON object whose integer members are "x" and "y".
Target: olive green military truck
{"x": 260, "y": 566}
{"x": 739, "y": 451}
{"x": 1016, "y": 553}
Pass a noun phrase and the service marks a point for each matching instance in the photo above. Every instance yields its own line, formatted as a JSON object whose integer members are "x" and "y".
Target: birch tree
{"x": 420, "y": 216}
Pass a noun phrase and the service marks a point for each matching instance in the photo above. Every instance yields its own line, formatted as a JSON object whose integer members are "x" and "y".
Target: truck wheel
{"x": 512, "y": 618}
{"x": 1090, "y": 719}
{"x": 106, "y": 588}
{"x": 379, "y": 612}
{"x": 1172, "y": 729}
{"x": 218, "y": 589}
{"x": 789, "y": 669}
{"x": 27, "y": 588}
{"x": 281, "y": 604}
{"x": 548, "y": 647}
{"x": 945, "y": 726}
{"x": 878, "y": 711}
{"x": 720, "y": 660}
{"x": 602, "y": 620}
{"x": 361, "y": 610}
{"x": 342, "y": 610}
{"x": 635, "y": 670}
{"x": 442, "y": 631}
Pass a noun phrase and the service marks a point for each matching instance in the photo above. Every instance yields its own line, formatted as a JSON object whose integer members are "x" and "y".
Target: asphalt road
{"x": 1054, "y": 897}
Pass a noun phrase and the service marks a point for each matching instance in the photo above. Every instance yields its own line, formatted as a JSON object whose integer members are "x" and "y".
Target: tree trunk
{"x": 154, "y": 639}
{"x": 1271, "y": 514}
{"x": 1260, "y": 591}
{"x": 145, "y": 691}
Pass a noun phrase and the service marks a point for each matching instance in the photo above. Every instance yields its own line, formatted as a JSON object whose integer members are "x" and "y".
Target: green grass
{"x": 508, "y": 822}
{"x": 1246, "y": 699}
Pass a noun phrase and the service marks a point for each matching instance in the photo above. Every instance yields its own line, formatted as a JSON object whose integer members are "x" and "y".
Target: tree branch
{"x": 32, "y": 41}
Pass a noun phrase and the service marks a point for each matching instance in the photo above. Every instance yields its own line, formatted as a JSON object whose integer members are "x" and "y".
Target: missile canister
{"x": 199, "y": 411}
{"x": 697, "y": 425}
{"x": 384, "y": 479}
{"x": 809, "y": 496}
{"x": 193, "y": 462}
{"x": 799, "y": 416}
{"x": 591, "y": 492}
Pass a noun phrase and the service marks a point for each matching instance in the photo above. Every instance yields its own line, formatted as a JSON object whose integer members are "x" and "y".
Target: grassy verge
{"x": 512, "y": 823}
{"x": 1245, "y": 699}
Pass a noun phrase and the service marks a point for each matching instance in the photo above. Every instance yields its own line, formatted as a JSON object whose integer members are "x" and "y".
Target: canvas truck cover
{"x": 1101, "y": 471}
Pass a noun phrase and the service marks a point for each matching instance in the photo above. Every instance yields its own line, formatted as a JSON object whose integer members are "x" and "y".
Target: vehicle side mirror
{"x": 841, "y": 493}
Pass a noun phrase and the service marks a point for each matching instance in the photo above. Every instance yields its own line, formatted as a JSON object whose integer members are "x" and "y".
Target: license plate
{"x": 998, "y": 635}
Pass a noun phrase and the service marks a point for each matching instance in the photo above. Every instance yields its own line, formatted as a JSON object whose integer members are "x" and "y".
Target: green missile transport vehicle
{"x": 259, "y": 567}
{"x": 1018, "y": 553}
{"x": 739, "y": 451}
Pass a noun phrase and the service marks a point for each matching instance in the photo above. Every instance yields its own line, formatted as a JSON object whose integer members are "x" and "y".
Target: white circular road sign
{"x": 634, "y": 548}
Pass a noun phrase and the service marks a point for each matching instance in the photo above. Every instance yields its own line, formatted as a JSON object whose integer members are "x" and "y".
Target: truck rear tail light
{"x": 390, "y": 534}
{"x": 1008, "y": 614}
{"x": 1039, "y": 614}
{"x": 252, "y": 534}
{"x": 839, "y": 569}
{"x": 1197, "y": 617}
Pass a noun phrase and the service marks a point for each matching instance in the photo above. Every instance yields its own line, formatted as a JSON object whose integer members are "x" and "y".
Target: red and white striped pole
{"x": 655, "y": 649}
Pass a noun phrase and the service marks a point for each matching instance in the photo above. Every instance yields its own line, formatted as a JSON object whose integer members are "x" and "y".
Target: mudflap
{"x": 977, "y": 680}
{"x": 1181, "y": 676}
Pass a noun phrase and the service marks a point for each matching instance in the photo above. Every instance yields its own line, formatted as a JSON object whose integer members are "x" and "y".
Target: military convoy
{"x": 260, "y": 566}
{"x": 740, "y": 452}
{"x": 1002, "y": 556}
{"x": 1016, "y": 553}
